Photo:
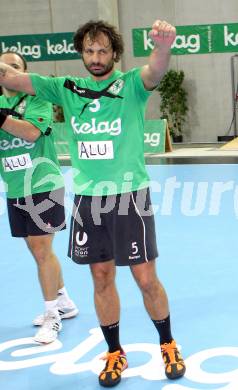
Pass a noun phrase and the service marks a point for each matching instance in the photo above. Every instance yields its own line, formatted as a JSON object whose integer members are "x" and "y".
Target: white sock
{"x": 52, "y": 306}
{"x": 63, "y": 292}
{"x": 63, "y": 297}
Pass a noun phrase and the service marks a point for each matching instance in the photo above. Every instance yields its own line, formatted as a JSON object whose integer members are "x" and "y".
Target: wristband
{"x": 3, "y": 117}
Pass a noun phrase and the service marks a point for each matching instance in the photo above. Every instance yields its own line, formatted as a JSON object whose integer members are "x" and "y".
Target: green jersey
{"x": 105, "y": 121}
{"x": 28, "y": 167}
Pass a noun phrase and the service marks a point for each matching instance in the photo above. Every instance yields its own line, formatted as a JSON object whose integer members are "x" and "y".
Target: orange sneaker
{"x": 116, "y": 362}
{"x": 174, "y": 364}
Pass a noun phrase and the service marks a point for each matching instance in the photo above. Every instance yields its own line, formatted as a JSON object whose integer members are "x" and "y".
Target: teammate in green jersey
{"x": 112, "y": 221}
{"x": 25, "y": 137}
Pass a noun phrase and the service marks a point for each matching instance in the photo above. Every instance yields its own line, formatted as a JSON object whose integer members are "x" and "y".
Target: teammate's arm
{"x": 19, "y": 128}
{"x": 14, "y": 80}
{"x": 163, "y": 35}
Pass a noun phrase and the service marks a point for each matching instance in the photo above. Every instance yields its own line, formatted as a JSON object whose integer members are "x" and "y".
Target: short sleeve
{"x": 48, "y": 88}
{"x": 38, "y": 112}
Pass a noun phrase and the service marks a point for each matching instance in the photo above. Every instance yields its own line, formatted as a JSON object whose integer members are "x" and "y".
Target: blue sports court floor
{"x": 197, "y": 227}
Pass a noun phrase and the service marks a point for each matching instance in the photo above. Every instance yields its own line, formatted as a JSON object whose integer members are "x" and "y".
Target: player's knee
{"x": 146, "y": 284}
{"x": 40, "y": 253}
{"x": 103, "y": 279}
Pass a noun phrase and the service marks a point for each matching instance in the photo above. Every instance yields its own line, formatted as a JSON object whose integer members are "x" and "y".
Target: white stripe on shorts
{"x": 143, "y": 224}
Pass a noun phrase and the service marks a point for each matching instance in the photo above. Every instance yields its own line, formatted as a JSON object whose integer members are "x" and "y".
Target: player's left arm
{"x": 21, "y": 128}
{"x": 163, "y": 35}
{"x": 37, "y": 119}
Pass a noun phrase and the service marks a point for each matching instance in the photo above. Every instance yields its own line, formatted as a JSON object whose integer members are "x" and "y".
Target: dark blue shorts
{"x": 119, "y": 227}
{"x": 38, "y": 214}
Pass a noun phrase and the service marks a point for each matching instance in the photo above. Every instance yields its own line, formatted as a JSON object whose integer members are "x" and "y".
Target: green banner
{"x": 155, "y": 136}
{"x": 214, "y": 38}
{"x": 225, "y": 38}
{"x": 41, "y": 47}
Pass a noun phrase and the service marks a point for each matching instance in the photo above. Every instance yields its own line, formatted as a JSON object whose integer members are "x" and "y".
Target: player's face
{"x": 13, "y": 60}
{"x": 98, "y": 56}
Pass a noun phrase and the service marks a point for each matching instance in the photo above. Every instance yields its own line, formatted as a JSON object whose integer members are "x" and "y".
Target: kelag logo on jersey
{"x": 15, "y": 143}
{"x": 94, "y": 127}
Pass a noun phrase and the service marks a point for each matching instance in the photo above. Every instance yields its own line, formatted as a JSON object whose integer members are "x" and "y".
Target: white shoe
{"x": 65, "y": 312}
{"x": 48, "y": 332}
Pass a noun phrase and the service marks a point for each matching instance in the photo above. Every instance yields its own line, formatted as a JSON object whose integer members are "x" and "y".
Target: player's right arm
{"x": 14, "y": 80}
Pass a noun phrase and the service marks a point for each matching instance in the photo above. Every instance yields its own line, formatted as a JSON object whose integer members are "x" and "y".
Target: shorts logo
{"x": 81, "y": 252}
{"x": 83, "y": 240}
{"x": 134, "y": 251}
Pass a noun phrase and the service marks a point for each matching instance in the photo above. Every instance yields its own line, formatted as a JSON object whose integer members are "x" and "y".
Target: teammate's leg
{"x": 49, "y": 271}
{"x": 49, "y": 274}
{"x": 51, "y": 281}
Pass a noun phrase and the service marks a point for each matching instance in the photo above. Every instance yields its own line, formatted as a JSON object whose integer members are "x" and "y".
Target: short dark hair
{"x": 19, "y": 55}
{"x": 93, "y": 28}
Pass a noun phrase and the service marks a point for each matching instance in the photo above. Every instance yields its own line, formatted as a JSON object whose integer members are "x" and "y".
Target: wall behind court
{"x": 207, "y": 76}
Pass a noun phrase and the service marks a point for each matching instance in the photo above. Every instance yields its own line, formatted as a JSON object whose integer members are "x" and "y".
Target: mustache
{"x": 96, "y": 64}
